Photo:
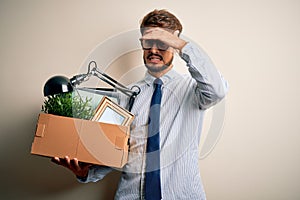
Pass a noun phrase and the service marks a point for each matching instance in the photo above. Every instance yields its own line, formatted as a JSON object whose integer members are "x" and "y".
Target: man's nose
{"x": 154, "y": 48}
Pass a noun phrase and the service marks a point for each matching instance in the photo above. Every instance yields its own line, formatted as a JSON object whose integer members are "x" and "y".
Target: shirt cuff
{"x": 184, "y": 53}
{"x": 82, "y": 179}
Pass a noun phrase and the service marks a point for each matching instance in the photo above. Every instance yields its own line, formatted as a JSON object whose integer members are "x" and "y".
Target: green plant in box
{"x": 65, "y": 104}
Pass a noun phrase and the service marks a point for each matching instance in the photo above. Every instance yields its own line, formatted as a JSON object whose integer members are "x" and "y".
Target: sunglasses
{"x": 148, "y": 44}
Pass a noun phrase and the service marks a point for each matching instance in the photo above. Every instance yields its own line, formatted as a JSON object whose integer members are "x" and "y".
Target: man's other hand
{"x": 80, "y": 169}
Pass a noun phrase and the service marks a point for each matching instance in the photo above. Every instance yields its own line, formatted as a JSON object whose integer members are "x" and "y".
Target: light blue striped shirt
{"x": 184, "y": 99}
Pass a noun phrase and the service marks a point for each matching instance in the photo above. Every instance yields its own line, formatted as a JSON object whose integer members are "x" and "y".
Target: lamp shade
{"x": 57, "y": 85}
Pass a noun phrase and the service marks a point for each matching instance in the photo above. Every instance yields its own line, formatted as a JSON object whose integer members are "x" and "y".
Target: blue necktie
{"x": 152, "y": 175}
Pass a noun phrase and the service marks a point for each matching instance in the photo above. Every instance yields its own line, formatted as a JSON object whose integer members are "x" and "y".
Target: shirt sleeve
{"x": 96, "y": 173}
{"x": 210, "y": 85}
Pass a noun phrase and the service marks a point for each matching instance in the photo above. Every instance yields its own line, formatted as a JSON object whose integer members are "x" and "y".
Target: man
{"x": 163, "y": 158}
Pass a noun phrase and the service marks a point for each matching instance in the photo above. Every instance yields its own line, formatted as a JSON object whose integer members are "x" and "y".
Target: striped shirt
{"x": 184, "y": 100}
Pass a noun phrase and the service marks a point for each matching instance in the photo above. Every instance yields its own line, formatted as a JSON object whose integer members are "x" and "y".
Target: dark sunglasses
{"x": 148, "y": 44}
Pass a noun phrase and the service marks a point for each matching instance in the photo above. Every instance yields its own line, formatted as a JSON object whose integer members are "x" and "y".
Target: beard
{"x": 156, "y": 69}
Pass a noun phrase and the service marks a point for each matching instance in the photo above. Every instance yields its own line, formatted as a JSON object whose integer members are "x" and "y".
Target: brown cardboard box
{"x": 88, "y": 141}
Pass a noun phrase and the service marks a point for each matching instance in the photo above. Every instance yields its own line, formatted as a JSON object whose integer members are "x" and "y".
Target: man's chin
{"x": 156, "y": 68}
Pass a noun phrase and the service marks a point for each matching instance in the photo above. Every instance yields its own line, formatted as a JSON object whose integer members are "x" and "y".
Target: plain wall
{"x": 254, "y": 43}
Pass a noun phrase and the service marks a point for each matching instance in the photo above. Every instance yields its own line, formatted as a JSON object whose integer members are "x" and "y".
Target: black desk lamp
{"x": 57, "y": 85}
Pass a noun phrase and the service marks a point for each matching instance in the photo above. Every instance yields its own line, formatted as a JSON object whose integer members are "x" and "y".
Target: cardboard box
{"x": 88, "y": 141}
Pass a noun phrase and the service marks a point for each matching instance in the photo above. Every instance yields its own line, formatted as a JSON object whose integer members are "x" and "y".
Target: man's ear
{"x": 176, "y": 33}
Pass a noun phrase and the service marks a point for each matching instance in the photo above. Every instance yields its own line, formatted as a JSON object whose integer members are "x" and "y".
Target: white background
{"x": 254, "y": 43}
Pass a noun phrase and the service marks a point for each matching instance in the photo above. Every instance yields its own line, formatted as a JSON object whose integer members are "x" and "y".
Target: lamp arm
{"x": 95, "y": 71}
{"x": 115, "y": 84}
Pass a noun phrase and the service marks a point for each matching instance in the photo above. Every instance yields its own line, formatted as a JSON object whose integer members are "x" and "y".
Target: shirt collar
{"x": 166, "y": 78}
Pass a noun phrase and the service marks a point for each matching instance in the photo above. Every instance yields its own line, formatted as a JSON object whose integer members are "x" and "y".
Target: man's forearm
{"x": 211, "y": 87}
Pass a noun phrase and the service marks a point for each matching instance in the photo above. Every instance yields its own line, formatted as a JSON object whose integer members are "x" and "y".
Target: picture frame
{"x": 110, "y": 112}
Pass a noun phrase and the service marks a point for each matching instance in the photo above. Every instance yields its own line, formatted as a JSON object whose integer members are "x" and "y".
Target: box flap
{"x": 120, "y": 142}
{"x": 107, "y": 143}
{"x": 55, "y": 136}
{"x": 40, "y": 129}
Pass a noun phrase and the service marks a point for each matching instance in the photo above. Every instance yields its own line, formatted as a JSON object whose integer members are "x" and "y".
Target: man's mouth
{"x": 154, "y": 58}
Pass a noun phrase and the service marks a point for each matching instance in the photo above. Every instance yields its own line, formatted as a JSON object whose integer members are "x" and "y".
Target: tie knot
{"x": 158, "y": 82}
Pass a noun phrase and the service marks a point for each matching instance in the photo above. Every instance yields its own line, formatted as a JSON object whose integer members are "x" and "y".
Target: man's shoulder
{"x": 137, "y": 83}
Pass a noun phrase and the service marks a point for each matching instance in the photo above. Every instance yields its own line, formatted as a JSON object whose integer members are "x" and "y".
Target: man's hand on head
{"x": 169, "y": 38}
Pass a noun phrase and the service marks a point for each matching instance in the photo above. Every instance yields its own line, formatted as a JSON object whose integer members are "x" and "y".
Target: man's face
{"x": 157, "y": 55}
